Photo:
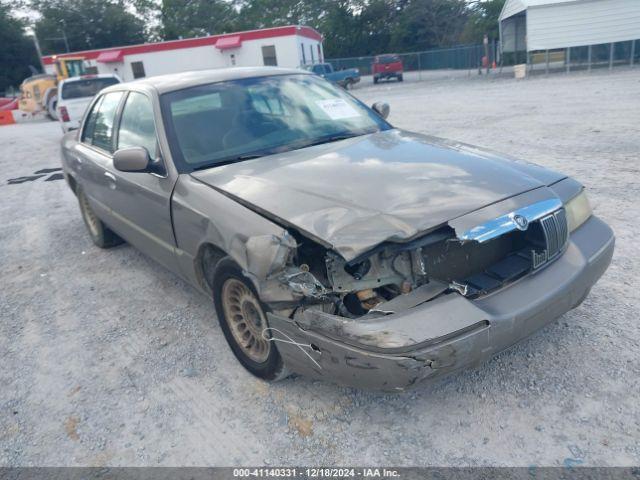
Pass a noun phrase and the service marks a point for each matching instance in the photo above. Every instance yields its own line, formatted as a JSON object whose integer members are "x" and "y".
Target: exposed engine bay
{"x": 366, "y": 285}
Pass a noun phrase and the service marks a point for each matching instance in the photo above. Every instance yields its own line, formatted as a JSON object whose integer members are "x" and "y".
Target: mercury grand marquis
{"x": 332, "y": 244}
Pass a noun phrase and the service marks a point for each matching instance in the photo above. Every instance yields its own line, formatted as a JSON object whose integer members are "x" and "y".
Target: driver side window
{"x": 137, "y": 128}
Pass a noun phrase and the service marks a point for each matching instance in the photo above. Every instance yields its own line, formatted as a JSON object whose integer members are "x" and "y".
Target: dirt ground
{"x": 108, "y": 359}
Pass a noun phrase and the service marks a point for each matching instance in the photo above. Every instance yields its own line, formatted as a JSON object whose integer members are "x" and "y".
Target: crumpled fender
{"x": 396, "y": 333}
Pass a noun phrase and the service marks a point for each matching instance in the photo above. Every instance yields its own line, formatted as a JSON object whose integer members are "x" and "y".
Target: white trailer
{"x": 290, "y": 46}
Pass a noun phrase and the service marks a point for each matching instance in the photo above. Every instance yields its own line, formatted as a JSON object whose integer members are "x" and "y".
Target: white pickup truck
{"x": 76, "y": 93}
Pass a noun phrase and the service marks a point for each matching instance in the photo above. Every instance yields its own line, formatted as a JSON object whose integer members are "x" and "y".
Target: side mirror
{"x": 381, "y": 109}
{"x": 134, "y": 159}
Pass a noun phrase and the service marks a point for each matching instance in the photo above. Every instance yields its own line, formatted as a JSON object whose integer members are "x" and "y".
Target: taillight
{"x": 64, "y": 114}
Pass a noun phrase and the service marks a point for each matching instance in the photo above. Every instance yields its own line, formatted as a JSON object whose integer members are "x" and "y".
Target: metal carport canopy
{"x": 574, "y": 23}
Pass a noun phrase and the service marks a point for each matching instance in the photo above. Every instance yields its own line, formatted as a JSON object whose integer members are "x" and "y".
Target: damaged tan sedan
{"x": 332, "y": 244}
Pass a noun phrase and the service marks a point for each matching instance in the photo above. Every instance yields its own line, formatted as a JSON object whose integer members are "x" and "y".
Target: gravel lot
{"x": 108, "y": 359}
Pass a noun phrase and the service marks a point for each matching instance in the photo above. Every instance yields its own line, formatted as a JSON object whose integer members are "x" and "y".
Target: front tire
{"x": 100, "y": 234}
{"x": 243, "y": 318}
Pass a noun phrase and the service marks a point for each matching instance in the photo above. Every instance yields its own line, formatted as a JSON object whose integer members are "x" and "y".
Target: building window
{"x": 269, "y": 56}
{"x": 138, "y": 69}
{"x": 313, "y": 60}
{"x": 233, "y": 59}
{"x": 304, "y": 56}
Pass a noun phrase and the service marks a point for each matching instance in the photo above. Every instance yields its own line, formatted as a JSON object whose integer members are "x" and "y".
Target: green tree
{"x": 424, "y": 24}
{"x": 87, "y": 24}
{"x": 192, "y": 18}
{"x": 17, "y": 51}
{"x": 268, "y": 13}
{"x": 377, "y": 19}
{"x": 358, "y": 27}
{"x": 350, "y": 27}
{"x": 483, "y": 19}
{"x": 339, "y": 26}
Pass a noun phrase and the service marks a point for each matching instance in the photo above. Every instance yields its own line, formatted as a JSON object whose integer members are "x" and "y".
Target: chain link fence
{"x": 479, "y": 57}
{"x": 459, "y": 57}
{"x": 606, "y": 55}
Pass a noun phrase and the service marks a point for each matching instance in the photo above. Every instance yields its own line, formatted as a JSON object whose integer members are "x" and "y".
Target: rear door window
{"x": 137, "y": 128}
{"x": 90, "y": 123}
{"x": 99, "y": 130}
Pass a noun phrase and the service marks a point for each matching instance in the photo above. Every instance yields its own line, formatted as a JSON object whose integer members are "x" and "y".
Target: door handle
{"x": 112, "y": 179}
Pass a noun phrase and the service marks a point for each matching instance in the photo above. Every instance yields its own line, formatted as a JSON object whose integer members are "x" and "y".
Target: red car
{"x": 387, "y": 66}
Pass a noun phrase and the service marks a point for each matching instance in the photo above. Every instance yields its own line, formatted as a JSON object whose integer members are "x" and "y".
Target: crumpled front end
{"x": 448, "y": 298}
{"x": 448, "y": 332}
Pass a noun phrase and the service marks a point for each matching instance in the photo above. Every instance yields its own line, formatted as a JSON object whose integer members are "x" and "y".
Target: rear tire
{"x": 243, "y": 318}
{"x": 400, "y": 78}
{"x": 100, "y": 234}
{"x": 375, "y": 80}
{"x": 52, "y": 103}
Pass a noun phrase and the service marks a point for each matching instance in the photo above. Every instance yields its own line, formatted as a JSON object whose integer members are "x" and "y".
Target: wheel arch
{"x": 205, "y": 263}
{"x": 73, "y": 184}
{"x": 49, "y": 93}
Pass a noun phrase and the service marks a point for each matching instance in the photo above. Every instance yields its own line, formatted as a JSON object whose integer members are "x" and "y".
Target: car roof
{"x": 178, "y": 81}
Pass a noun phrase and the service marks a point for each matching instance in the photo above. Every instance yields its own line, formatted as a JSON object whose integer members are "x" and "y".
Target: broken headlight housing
{"x": 578, "y": 210}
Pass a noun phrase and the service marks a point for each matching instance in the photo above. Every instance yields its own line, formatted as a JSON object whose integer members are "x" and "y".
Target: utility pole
{"x": 64, "y": 35}
{"x": 38, "y": 51}
{"x": 66, "y": 42}
{"x": 63, "y": 38}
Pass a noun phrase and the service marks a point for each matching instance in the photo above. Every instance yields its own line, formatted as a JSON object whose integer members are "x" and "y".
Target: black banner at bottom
{"x": 404, "y": 473}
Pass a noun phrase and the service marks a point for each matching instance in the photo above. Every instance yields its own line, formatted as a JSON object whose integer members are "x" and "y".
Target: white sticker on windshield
{"x": 337, "y": 109}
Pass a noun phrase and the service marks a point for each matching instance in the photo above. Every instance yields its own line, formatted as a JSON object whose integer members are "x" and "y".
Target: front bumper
{"x": 382, "y": 75}
{"x": 447, "y": 333}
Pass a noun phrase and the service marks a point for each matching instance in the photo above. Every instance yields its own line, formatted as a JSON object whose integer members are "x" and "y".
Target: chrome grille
{"x": 555, "y": 231}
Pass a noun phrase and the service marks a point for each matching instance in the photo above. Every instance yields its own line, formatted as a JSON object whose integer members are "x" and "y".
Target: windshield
{"x": 75, "y": 68}
{"x": 86, "y": 87}
{"x": 241, "y": 119}
{"x": 388, "y": 59}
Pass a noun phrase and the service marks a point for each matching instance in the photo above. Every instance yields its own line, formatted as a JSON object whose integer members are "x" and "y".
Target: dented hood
{"x": 388, "y": 186}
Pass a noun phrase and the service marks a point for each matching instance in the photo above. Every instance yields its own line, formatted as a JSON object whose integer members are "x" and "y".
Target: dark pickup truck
{"x": 345, "y": 78}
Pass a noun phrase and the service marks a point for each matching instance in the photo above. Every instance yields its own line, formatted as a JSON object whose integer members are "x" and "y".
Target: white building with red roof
{"x": 290, "y": 46}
